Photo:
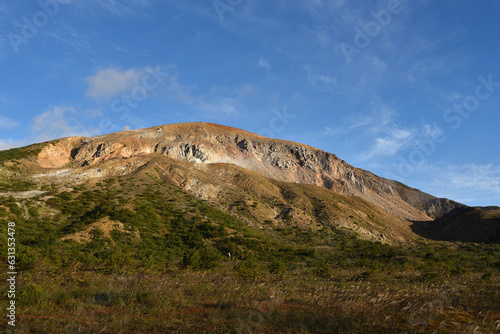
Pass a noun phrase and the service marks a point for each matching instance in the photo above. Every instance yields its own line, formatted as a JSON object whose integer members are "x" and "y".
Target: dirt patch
{"x": 23, "y": 194}
{"x": 105, "y": 225}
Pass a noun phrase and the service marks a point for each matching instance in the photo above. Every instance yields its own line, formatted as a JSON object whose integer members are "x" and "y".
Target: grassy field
{"x": 222, "y": 301}
{"x": 133, "y": 256}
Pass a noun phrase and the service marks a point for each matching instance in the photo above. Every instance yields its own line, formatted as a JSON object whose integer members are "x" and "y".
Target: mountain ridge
{"x": 202, "y": 146}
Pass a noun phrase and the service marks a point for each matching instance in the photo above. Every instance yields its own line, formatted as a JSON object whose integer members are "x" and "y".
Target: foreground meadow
{"x": 229, "y": 299}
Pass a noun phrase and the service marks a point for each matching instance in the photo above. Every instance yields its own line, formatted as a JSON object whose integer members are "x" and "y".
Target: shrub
{"x": 191, "y": 259}
{"x": 277, "y": 267}
{"x": 323, "y": 270}
{"x": 203, "y": 258}
{"x": 247, "y": 269}
{"x": 31, "y": 294}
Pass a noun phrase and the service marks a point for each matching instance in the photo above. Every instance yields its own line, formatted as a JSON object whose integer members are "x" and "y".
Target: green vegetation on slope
{"x": 164, "y": 226}
{"x": 17, "y": 183}
{"x": 19, "y": 153}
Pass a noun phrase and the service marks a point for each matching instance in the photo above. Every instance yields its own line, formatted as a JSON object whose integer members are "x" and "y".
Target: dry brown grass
{"x": 220, "y": 302}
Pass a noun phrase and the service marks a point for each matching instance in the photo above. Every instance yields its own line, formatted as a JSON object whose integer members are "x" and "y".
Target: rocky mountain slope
{"x": 206, "y": 143}
{"x": 219, "y": 163}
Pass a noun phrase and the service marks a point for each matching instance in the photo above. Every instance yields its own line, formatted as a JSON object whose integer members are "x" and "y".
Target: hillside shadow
{"x": 486, "y": 230}
{"x": 425, "y": 230}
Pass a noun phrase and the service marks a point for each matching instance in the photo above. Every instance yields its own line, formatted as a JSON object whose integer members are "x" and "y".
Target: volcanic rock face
{"x": 206, "y": 143}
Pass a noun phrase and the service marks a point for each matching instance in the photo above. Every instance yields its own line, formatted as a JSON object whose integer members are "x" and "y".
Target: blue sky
{"x": 408, "y": 89}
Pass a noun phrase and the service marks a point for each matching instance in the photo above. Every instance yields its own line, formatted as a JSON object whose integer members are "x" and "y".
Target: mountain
{"x": 205, "y": 143}
{"x": 277, "y": 182}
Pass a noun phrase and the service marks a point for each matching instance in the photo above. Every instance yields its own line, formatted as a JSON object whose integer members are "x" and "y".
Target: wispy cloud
{"x": 477, "y": 177}
{"x": 62, "y": 121}
{"x": 6, "y": 144}
{"x": 390, "y": 143}
{"x": 109, "y": 82}
{"x": 7, "y": 123}
{"x": 380, "y": 131}
{"x": 265, "y": 63}
{"x": 71, "y": 37}
{"x": 472, "y": 184}
{"x": 320, "y": 80}
{"x": 56, "y": 122}
{"x": 393, "y": 140}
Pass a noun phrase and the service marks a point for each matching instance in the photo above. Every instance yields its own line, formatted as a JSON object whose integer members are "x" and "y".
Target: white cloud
{"x": 6, "y": 123}
{"x": 475, "y": 177}
{"x": 328, "y": 79}
{"x": 322, "y": 81}
{"x": 265, "y": 63}
{"x": 245, "y": 89}
{"x": 473, "y": 184}
{"x": 213, "y": 106}
{"x": 379, "y": 121}
{"x": 60, "y": 122}
{"x": 431, "y": 131}
{"x": 390, "y": 138}
{"x": 380, "y": 131}
{"x": 6, "y": 144}
{"x": 393, "y": 141}
{"x": 110, "y": 82}
{"x": 54, "y": 123}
